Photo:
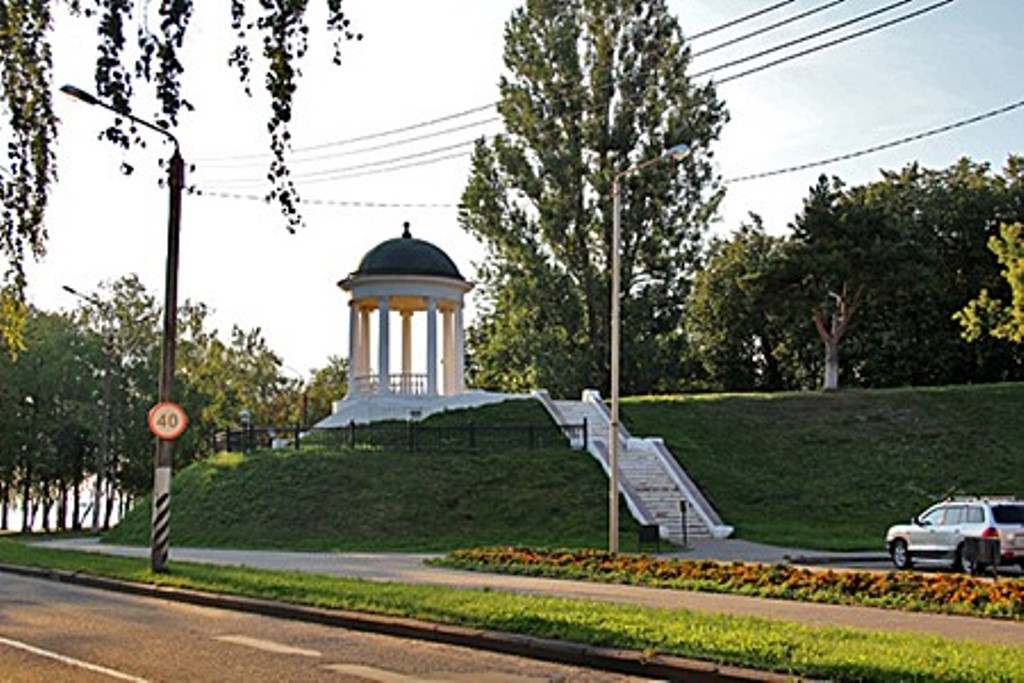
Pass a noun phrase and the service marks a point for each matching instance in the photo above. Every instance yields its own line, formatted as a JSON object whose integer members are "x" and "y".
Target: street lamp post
{"x": 676, "y": 152}
{"x": 160, "y": 546}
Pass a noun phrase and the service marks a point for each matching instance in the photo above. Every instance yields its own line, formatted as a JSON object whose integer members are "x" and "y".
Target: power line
{"x": 415, "y": 164}
{"x": 327, "y": 202}
{"x": 472, "y": 110}
{"x": 880, "y": 147}
{"x": 374, "y": 136}
{"x": 240, "y": 161}
{"x": 738, "y": 179}
{"x": 401, "y": 129}
{"x": 769, "y": 28}
{"x": 837, "y": 41}
{"x": 349, "y": 172}
{"x": 740, "y": 20}
{"x": 803, "y": 39}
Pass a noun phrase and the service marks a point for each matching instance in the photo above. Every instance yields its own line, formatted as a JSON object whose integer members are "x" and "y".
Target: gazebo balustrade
{"x": 402, "y": 383}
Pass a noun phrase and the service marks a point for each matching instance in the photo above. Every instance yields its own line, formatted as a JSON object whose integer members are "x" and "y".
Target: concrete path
{"x": 409, "y": 568}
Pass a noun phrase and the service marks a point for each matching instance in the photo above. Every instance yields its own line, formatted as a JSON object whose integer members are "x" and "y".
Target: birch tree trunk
{"x": 833, "y": 334}
{"x": 831, "y": 365}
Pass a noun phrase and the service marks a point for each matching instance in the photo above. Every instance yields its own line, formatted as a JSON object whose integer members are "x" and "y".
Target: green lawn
{"x": 369, "y": 498}
{"x": 833, "y": 470}
{"x": 815, "y": 470}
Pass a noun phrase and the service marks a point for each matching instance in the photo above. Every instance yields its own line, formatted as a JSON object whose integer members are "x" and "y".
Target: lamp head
{"x": 79, "y": 94}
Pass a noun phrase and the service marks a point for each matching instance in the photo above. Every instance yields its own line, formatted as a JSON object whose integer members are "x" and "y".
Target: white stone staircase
{"x": 654, "y": 485}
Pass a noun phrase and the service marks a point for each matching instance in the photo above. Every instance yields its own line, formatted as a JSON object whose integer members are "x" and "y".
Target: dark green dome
{"x": 407, "y": 255}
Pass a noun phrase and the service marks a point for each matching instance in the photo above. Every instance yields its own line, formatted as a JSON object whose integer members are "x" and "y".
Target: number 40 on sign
{"x": 167, "y": 420}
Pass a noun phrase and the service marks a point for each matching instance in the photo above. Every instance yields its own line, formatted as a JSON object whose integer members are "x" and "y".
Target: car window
{"x": 954, "y": 515}
{"x": 975, "y": 515}
{"x": 933, "y": 517}
{"x": 1008, "y": 514}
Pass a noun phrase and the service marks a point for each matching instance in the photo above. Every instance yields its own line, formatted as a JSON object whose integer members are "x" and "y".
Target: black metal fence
{"x": 410, "y": 436}
{"x": 249, "y": 438}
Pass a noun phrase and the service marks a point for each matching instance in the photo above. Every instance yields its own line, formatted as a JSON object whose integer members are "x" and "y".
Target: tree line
{"x": 894, "y": 269}
{"x": 74, "y": 400}
{"x": 915, "y": 279}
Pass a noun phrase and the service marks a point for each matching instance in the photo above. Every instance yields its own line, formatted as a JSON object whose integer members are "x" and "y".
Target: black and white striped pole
{"x": 166, "y": 419}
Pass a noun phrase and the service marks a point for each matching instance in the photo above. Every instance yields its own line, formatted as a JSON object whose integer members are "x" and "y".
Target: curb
{"x": 837, "y": 559}
{"x": 628, "y": 662}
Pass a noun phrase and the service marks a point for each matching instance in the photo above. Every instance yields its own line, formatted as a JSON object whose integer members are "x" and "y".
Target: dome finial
{"x": 406, "y": 234}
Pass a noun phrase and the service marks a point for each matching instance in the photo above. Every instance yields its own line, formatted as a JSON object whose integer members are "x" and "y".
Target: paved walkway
{"x": 409, "y": 568}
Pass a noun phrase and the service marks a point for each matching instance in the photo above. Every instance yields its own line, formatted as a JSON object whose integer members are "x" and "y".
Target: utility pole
{"x": 161, "y": 527}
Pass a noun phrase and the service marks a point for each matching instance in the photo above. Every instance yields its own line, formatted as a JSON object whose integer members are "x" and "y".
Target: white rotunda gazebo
{"x": 405, "y": 276}
{"x": 398, "y": 279}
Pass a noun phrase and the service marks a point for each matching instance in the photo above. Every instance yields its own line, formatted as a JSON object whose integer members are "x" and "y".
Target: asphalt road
{"x": 58, "y": 632}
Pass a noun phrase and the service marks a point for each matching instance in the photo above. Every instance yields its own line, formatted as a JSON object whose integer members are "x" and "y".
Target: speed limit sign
{"x": 167, "y": 420}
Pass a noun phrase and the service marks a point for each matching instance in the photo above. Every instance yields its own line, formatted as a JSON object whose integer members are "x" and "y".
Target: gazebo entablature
{"x": 406, "y": 295}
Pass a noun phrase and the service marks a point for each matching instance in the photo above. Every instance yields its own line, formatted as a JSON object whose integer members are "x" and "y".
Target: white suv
{"x": 938, "y": 533}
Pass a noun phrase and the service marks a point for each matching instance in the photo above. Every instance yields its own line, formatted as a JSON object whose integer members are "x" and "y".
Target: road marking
{"x": 383, "y": 676}
{"x": 268, "y": 646}
{"x": 70, "y": 660}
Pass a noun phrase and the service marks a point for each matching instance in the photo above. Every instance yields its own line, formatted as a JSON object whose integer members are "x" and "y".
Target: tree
{"x": 843, "y": 310}
{"x": 592, "y": 87}
{"x": 124, "y": 318}
{"x": 733, "y": 325}
{"x": 50, "y": 416}
{"x": 218, "y": 380}
{"x": 276, "y": 32}
{"x": 928, "y": 258}
{"x": 74, "y": 403}
{"x": 831, "y": 251}
{"x": 904, "y": 253}
{"x": 327, "y": 385}
{"x": 989, "y": 315}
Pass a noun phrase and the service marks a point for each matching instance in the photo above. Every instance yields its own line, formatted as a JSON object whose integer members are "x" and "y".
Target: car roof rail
{"x": 982, "y": 498}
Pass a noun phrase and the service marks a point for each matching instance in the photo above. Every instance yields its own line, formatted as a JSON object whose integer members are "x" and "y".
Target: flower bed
{"x": 948, "y": 593}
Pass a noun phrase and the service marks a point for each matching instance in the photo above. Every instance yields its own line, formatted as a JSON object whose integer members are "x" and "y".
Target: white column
{"x": 447, "y": 361}
{"x": 383, "y": 366}
{"x": 432, "y": 346}
{"x": 460, "y": 352}
{"x": 353, "y": 347}
{"x": 406, "y": 352}
{"x": 364, "y": 343}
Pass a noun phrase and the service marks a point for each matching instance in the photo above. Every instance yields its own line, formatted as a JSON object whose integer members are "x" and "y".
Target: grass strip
{"x": 909, "y": 591}
{"x": 831, "y": 653}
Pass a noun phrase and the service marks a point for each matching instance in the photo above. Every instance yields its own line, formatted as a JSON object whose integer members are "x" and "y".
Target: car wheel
{"x": 901, "y": 554}
{"x": 962, "y": 563}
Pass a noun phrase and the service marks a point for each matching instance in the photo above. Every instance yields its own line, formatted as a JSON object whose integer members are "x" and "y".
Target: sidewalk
{"x": 409, "y": 568}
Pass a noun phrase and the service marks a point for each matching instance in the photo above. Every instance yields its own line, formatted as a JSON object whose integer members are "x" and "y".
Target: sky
{"x": 421, "y": 61}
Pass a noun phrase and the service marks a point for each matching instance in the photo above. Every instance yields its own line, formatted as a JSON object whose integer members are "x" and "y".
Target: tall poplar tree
{"x": 592, "y": 87}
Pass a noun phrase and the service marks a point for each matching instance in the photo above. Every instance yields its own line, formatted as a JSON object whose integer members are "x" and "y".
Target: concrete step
{"x": 640, "y": 468}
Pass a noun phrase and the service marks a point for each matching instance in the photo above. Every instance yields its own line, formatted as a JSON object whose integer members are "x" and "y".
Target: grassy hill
{"x": 810, "y": 469}
{"x": 385, "y": 498}
{"x": 834, "y": 470}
